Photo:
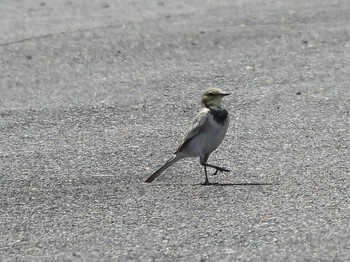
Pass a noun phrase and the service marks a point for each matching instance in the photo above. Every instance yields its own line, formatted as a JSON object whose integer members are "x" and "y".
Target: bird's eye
{"x": 210, "y": 94}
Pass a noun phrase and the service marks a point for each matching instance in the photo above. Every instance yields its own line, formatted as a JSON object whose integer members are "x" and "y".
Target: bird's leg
{"x": 206, "y": 182}
{"x": 221, "y": 169}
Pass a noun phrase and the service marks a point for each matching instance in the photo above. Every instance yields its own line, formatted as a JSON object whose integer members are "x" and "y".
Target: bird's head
{"x": 212, "y": 97}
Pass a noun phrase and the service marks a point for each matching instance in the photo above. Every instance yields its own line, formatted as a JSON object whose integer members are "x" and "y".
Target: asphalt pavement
{"x": 94, "y": 96}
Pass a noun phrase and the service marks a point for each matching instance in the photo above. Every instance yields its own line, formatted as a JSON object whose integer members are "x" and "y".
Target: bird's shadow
{"x": 238, "y": 184}
{"x": 221, "y": 184}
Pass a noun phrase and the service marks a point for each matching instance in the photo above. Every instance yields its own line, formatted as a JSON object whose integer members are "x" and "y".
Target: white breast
{"x": 208, "y": 139}
{"x": 216, "y": 133}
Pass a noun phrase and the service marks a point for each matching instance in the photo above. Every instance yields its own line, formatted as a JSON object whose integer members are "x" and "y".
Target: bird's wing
{"x": 196, "y": 125}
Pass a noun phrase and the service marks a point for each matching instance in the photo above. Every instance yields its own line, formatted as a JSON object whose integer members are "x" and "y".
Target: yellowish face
{"x": 213, "y": 96}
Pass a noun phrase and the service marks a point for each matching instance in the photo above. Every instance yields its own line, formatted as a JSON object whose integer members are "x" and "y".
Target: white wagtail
{"x": 205, "y": 134}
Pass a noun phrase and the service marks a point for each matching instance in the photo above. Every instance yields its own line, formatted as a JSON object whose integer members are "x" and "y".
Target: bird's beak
{"x": 225, "y": 94}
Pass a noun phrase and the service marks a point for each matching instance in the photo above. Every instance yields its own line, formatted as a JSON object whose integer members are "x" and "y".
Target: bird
{"x": 204, "y": 135}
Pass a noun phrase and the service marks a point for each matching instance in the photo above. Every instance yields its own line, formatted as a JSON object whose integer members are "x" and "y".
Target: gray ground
{"x": 95, "y": 94}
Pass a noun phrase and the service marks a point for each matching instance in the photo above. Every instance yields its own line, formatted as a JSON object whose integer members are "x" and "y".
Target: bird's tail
{"x": 171, "y": 161}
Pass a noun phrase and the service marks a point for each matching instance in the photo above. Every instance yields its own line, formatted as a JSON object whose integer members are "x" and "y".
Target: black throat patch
{"x": 219, "y": 115}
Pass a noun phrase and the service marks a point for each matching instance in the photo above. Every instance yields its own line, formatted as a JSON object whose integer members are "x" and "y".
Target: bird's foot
{"x": 206, "y": 183}
{"x": 221, "y": 169}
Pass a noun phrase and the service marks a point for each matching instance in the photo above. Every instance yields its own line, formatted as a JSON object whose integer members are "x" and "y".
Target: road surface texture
{"x": 94, "y": 96}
